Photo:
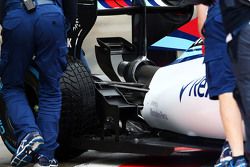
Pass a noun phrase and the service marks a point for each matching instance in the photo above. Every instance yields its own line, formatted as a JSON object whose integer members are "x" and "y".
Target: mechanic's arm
{"x": 202, "y": 15}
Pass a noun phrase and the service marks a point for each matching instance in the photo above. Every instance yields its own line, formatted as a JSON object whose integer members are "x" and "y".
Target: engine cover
{"x": 178, "y": 101}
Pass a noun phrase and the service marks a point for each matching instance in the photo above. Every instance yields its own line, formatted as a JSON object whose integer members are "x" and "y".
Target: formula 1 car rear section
{"x": 151, "y": 104}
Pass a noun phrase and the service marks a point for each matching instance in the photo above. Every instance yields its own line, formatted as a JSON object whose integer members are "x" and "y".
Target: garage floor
{"x": 181, "y": 158}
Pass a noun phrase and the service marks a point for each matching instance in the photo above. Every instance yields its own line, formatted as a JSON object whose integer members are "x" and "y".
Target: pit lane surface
{"x": 181, "y": 158}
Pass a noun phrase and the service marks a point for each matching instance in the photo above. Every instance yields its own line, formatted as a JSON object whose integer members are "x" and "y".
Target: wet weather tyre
{"x": 78, "y": 115}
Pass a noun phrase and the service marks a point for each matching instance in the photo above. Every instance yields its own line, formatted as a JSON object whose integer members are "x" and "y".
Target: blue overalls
{"x": 219, "y": 72}
{"x": 41, "y": 34}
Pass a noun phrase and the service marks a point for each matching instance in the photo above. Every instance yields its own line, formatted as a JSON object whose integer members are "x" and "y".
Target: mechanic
{"x": 236, "y": 19}
{"x": 34, "y": 32}
{"x": 221, "y": 84}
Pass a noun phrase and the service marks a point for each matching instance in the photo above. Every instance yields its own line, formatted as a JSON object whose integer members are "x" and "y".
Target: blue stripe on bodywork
{"x": 103, "y": 3}
{"x": 181, "y": 34}
{"x": 128, "y": 2}
{"x": 153, "y": 3}
{"x": 99, "y": 6}
{"x": 173, "y": 43}
{"x": 191, "y": 57}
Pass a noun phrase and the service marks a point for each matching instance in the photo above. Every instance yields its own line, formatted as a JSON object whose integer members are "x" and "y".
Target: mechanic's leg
{"x": 242, "y": 72}
{"x": 232, "y": 123}
{"x": 51, "y": 61}
{"x": 49, "y": 114}
{"x": 221, "y": 83}
{"x": 16, "y": 54}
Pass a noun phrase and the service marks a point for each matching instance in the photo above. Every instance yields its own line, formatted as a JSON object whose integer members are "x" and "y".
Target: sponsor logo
{"x": 195, "y": 88}
{"x": 155, "y": 112}
{"x": 77, "y": 25}
{"x": 2, "y": 130}
{"x": 69, "y": 41}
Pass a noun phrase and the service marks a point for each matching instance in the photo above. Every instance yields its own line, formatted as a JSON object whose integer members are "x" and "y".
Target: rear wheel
{"x": 78, "y": 115}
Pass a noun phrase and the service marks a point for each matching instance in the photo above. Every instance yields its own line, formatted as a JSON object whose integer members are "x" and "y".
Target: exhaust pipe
{"x": 140, "y": 70}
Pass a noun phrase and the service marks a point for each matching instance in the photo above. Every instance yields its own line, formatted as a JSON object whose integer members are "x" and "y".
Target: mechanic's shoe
{"x": 29, "y": 145}
{"x": 242, "y": 162}
{"x": 225, "y": 156}
{"x": 43, "y": 161}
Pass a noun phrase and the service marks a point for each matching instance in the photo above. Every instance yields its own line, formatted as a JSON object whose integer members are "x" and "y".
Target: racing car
{"x": 152, "y": 102}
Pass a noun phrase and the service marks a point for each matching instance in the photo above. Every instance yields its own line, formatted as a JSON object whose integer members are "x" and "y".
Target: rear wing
{"x": 118, "y": 7}
{"x": 145, "y": 14}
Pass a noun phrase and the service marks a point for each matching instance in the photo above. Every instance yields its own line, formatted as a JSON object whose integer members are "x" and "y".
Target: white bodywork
{"x": 178, "y": 101}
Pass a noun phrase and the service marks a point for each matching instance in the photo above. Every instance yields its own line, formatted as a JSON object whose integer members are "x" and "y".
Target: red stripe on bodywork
{"x": 122, "y": 3}
{"x": 191, "y": 28}
{"x": 112, "y": 3}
